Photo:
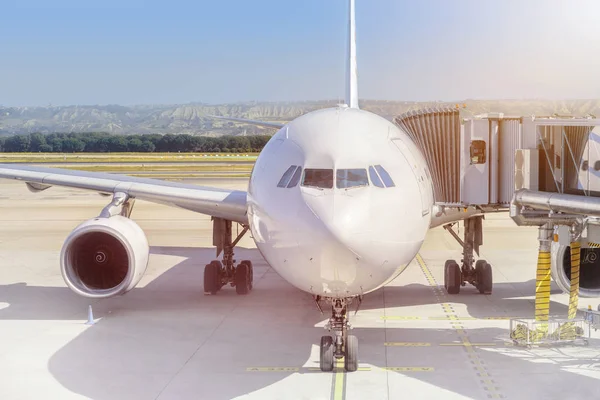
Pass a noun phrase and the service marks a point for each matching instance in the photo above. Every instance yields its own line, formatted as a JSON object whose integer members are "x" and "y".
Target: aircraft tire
{"x": 483, "y": 271}
{"x": 351, "y": 354}
{"x": 211, "y": 277}
{"x": 448, "y": 262}
{"x": 251, "y": 273}
{"x": 452, "y": 276}
{"x": 242, "y": 279}
{"x": 326, "y": 356}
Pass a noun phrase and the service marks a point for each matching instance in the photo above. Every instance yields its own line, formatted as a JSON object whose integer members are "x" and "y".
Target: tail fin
{"x": 351, "y": 68}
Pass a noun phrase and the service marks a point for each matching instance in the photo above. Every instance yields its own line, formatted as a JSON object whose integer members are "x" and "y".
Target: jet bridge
{"x": 544, "y": 169}
{"x": 483, "y": 160}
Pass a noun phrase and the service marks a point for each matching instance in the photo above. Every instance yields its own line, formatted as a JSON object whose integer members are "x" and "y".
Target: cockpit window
{"x": 349, "y": 178}
{"x": 383, "y": 175}
{"x": 375, "y": 178}
{"x": 319, "y": 178}
{"x": 283, "y": 182}
{"x": 295, "y": 178}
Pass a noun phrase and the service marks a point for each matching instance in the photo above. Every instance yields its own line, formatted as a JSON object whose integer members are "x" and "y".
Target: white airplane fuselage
{"x": 340, "y": 242}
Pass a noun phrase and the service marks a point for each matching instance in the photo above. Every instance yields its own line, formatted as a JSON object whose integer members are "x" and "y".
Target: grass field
{"x": 155, "y": 168}
{"x": 124, "y": 157}
{"x": 149, "y": 165}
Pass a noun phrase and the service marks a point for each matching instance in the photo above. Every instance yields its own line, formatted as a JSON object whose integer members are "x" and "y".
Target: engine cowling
{"x": 104, "y": 257}
{"x": 589, "y": 269}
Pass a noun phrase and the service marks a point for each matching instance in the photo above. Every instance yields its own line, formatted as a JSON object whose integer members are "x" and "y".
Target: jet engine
{"x": 589, "y": 273}
{"x": 104, "y": 257}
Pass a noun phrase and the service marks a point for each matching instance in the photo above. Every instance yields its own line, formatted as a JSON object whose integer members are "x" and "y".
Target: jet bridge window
{"x": 380, "y": 177}
{"x": 477, "y": 152}
{"x": 285, "y": 179}
{"x": 319, "y": 178}
{"x": 350, "y": 178}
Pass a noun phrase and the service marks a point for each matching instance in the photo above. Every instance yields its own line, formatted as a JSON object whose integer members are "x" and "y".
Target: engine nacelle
{"x": 589, "y": 269}
{"x": 104, "y": 257}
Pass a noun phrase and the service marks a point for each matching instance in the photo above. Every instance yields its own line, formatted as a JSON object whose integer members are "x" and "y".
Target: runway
{"x": 166, "y": 340}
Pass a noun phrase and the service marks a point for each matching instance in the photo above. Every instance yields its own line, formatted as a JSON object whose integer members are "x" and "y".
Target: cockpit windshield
{"x": 286, "y": 176}
{"x": 344, "y": 178}
{"x": 380, "y": 177}
{"x": 319, "y": 178}
{"x": 349, "y": 178}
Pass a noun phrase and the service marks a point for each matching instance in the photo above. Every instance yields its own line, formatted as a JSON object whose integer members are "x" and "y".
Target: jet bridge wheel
{"x": 452, "y": 277}
{"x": 327, "y": 350}
{"x": 212, "y": 277}
{"x": 483, "y": 273}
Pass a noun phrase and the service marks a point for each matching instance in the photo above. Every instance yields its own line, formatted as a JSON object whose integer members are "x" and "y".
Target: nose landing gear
{"x": 479, "y": 275}
{"x": 341, "y": 345}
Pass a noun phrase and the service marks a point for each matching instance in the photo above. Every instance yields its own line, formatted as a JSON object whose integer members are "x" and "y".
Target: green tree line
{"x": 107, "y": 143}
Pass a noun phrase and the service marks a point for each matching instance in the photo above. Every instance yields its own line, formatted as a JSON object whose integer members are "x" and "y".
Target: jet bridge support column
{"x": 570, "y": 330}
{"x": 542, "y": 281}
{"x": 574, "y": 292}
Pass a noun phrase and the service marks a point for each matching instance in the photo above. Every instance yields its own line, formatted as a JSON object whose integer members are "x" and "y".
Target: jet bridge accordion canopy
{"x": 437, "y": 134}
{"x": 482, "y": 160}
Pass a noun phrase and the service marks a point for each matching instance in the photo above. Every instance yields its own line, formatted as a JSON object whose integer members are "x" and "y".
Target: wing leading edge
{"x": 221, "y": 203}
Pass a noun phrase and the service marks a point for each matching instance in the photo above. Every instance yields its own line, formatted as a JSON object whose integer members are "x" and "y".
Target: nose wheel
{"x": 341, "y": 344}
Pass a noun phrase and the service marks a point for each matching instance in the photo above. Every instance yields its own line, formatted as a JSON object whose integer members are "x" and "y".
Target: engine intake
{"x": 589, "y": 273}
{"x": 104, "y": 257}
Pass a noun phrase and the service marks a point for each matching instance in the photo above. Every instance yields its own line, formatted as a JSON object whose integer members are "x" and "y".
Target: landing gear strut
{"x": 341, "y": 344}
{"x": 218, "y": 274}
{"x": 478, "y": 275}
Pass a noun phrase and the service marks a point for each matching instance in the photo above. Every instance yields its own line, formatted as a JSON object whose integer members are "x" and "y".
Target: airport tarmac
{"x": 166, "y": 340}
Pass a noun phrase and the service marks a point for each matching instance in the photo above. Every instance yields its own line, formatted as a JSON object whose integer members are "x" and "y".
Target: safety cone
{"x": 90, "y": 320}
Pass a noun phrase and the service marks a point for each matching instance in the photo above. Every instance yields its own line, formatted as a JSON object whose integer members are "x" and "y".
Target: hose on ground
{"x": 524, "y": 334}
{"x": 567, "y": 331}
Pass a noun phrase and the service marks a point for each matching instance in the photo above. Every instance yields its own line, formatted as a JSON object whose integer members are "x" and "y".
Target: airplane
{"x": 339, "y": 202}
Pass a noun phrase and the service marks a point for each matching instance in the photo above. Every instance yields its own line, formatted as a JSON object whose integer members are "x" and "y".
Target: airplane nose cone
{"x": 376, "y": 235}
{"x": 345, "y": 216}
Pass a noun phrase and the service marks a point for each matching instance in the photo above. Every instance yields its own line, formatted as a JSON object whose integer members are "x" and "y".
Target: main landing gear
{"x": 479, "y": 275}
{"x": 218, "y": 274}
{"x": 341, "y": 344}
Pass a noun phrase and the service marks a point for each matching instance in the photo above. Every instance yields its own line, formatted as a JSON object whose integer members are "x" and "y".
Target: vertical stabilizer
{"x": 351, "y": 69}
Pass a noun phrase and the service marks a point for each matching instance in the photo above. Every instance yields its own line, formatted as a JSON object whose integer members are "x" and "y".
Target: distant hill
{"x": 191, "y": 118}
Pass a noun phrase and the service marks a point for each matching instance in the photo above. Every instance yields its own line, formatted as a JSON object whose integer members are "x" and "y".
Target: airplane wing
{"x": 221, "y": 203}
{"x": 250, "y": 121}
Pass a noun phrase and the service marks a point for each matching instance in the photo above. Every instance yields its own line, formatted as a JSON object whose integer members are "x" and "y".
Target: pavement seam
{"x": 191, "y": 356}
{"x": 484, "y": 377}
{"x": 202, "y": 344}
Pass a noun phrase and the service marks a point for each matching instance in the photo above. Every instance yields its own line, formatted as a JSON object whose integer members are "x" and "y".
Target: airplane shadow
{"x": 167, "y": 340}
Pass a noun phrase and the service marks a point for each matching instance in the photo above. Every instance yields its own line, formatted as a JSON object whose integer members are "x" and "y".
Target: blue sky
{"x": 67, "y": 52}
